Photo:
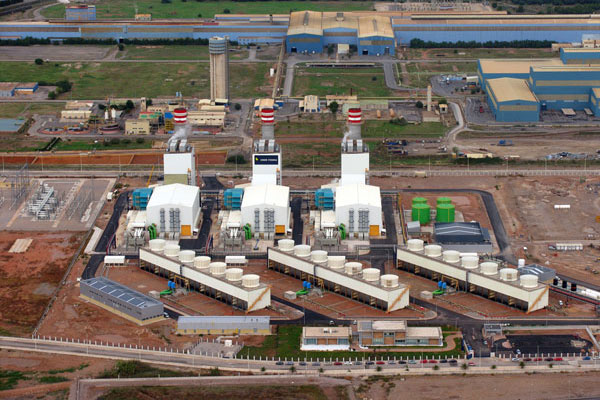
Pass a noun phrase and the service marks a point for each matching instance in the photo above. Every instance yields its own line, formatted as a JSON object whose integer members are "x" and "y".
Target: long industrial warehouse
{"x": 213, "y": 279}
{"x": 466, "y": 273}
{"x": 336, "y": 275}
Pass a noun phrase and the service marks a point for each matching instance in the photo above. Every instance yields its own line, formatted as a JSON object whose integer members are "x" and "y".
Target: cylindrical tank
{"x": 171, "y": 250}
{"x": 157, "y": 245}
{"x": 470, "y": 262}
{"x": 444, "y": 200}
{"x": 433, "y": 250}
{"x": 451, "y": 256}
{"x": 217, "y": 268}
{"x": 187, "y": 256}
{"x": 508, "y": 274}
{"x": 488, "y": 268}
{"x": 201, "y": 262}
{"x": 352, "y": 268}
{"x": 250, "y": 280}
{"x": 234, "y": 274}
{"x": 302, "y": 250}
{"x": 414, "y": 244}
{"x": 445, "y": 213}
{"x": 529, "y": 281}
{"x": 336, "y": 262}
{"x": 419, "y": 200}
{"x": 521, "y": 263}
{"x": 318, "y": 256}
{"x": 370, "y": 274}
{"x": 421, "y": 213}
{"x": 389, "y": 280}
{"x": 286, "y": 245}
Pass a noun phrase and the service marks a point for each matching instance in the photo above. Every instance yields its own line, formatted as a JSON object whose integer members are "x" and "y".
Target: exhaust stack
{"x": 354, "y": 124}
{"x": 267, "y": 117}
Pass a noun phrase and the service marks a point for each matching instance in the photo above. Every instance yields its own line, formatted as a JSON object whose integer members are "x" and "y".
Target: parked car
{"x": 279, "y": 363}
{"x": 369, "y": 363}
{"x": 380, "y": 362}
{"x": 587, "y": 358}
{"x": 391, "y": 362}
{"x": 402, "y": 362}
{"x": 289, "y": 363}
{"x": 550, "y": 359}
{"x": 527, "y": 359}
{"x": 423, "y": 361}
{"x": 453, "y": 361}
{"x": 472, "y": 364}
{"x": 538, "y": 359}
{"x": 412, "y": 361}
{"x": 302, "y": 363}
{"x": 337, "y": 363}
{"x": 358, "y": 363}
{"x": 558, "y": 358}
{"x": 515, "y": 359}
{"x": 348, "y": 363}
{"x": 433, "y": 362}
{"x": 316, "y": 364}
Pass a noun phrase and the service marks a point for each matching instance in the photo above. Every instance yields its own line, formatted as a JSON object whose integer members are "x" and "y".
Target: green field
{"x": 83, "y": 145}
{"x": 442, "y": 67}
{"x": 14, "y": 110}
{"x": 173, "y": 52}
{"x": 385, "y": 129}
{"x": 307, "y": 154}
{"x": 206, "y": 9}
{"x": 99, "y": 80}
{"x": 324, "y": 81}
{"x": 311, "y": 125}
{"x": 441, "y": 54}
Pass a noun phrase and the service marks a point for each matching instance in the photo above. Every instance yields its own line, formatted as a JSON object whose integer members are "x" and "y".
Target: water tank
{"x": 433, "y": 250}
{"x": 444, "y": 200}
{"x": 415, "y": 244}
{"x": 529, "y": 281}
{"x": 445, "y": 213}
{"x": 201, "y": 262}
{"x": 370, "y": 274}
{"x": 302, "y": 250}
{"x": 421, "y": 213}
{"x": 419, "y": 200}
{"x": 470, "y": 262}
{"x": 187, "y": 256}
{"x": 508, "y": 274}
{"x": 250, "y": 280}
{"x": 171, "y": 250}
{"x": 157, "y": 245}
{"x": 389, "y": 281}
{"x": 488, "y": 268}
{"x": 286, "y": 245}
{"x": 318, "y": 256}
{"x": 336, "y": 262}
{"x": 234, "y": 274}
{"x": 451, "y": 256}
{"x": 352, "y": 268}
{"x": 521, "y": 262}
{"x": 217, "y": 268}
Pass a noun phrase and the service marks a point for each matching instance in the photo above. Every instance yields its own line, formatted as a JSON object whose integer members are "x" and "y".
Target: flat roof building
{"x": 325, "y": 339}
{"x": 466, "y": 237}
{"x": 223, "y": 325}
{"x": 310, "y": 104}
{"x": 137, "y": 127}
{"x": 174, "y": 208}
{"x": 397, "y": 333}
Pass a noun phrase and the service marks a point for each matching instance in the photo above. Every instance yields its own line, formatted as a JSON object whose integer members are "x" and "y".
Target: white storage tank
{"x": 415, "y": 244}
{"x": 370, "y": 274}
{"x": 529, "y": 281}
{"x": 389, "y": 281}
{"x": 157, "y": 245}
{"x": 187, "y": 256}
{"x": 171, "y": 250}
{"x": 433, "y": 250}
{"x": 470, "y": 262}
{"x": 336, "y": 262}
{"x": 302, "y": 250}
{"x": 451, "y": 256}
{"x": 508, "y": 274}
{"x": 521, "y": 262}
{"x": 201, "y": 262}
{"x": 318, "y": 256}
{"x": 217, "y": 268}
{"x": 352, "y": 268}
{"x": 250, "y": 280}
{"x": 488, "y": 268}
{"x": 234, "y": 274}
{"x": 286, "y": 245}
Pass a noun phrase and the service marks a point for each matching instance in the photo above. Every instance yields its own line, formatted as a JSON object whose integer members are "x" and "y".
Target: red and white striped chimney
{"x": 354, "y": 116}
{"x": 354, "y": 124}
{"x": 180, "y": 115}
{"x": 267, "y": 117}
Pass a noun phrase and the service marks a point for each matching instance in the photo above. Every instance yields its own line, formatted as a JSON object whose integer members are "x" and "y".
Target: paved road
{"x": 390, "y": 76}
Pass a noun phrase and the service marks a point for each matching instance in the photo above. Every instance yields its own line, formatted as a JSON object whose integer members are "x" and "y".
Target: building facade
{"x": 325, "y": 339}
{"x": 397, "y": 333}
{"x": 223, "y": 325}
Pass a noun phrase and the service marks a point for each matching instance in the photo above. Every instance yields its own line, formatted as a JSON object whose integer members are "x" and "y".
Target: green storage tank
{"x": 445, "y": 213}
{"x": 419, "y": 200}
{"x": 421, "y": 213}
{"x": 444, "y": 200}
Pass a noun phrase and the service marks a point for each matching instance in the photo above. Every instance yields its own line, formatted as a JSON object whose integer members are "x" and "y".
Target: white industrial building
{"x": 504, "y": 285}
{"x": 213, "y": 279}
{"x": 266, "y": 163}
{"x": 358, "y": 207}
{"x": 266, "y": 208}
{"x": 174, "y": 208}
{"x": 180, "y": 163}
{"x": 333, "y": 273}
{"x": 355, "y": 162}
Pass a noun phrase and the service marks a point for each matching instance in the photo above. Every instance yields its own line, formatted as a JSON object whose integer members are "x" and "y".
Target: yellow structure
{"x": 75, "y": 114}
{"x": 137, "y": 127}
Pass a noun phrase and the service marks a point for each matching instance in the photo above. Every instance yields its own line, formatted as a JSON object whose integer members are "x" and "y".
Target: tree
{"x": 520, "y": 9}
{"x": 129, "y": 105}
{"x": 227, "y": 11}
{"x": 522, "y": 364}
{"x": 333, "y": 107}
{"x": 373, "y": 78}
{"x": 292, "y": 369}
{"x": 52, "y": 95}
{"x": 464, "y": 366}
{"x": 378, "y": 368}
{"x": 199, "y": 15}
{"x": 419, "y": 104}
{"x": 39, "y": 61}
{"x": 330, "y": 49}
{"x": 121, "y": 47}
{"x": 442, "y": 101}
{"x": 237, "y": 106}
{"x": 63, "y": 86}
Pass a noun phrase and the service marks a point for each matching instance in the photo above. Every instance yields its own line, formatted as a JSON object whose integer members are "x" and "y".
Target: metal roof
{"x": 176, "y": 194}
{"x": 306, "y": 22}
{"x": 337, "y": 21}
{"x": 357, "y": 193}
{"x": 221, "y": 322}
{"x": 543, "y": 273}
{"x": 267, "y": 194}
{"x": 121, "y": 292}
{"x": 511, "y": 89}
{"x": 375, "y": 26}
{"x": 460, "y": 232}
{"x": 514, "y": 66}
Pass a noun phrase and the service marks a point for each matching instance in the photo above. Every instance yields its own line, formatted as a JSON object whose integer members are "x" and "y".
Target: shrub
{"x": 140, "y": 140}
{"x": 373, "y": 78}
{"x": 52, "y": 95}
{"x": 436, "y": 367}
{"x": 39, "y": 61}
{"x": 419, "y": 104}
{"x": 237, "y": 106}
{"x": 121, "y": 47}
{"x": 378, "y": 368}
{"x": 126, "y": 141}
{"x": 115, "y": 141}
{"x": 464, "y": 366}
{"x": 236, "y": 159}
{"x": 333, "y": 107}
{"x": 129, "y": 105}
{"x": 215, "y": 372}
{"x": 227, "y": 11}
{"x": 493, "y": 366}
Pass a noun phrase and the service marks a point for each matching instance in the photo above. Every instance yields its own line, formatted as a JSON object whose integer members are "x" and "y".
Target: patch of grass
{"x": 20, "y": 143}
{"x": 70, "y": 370}
{"x": 52, "y": 379}
{"x": 306, "y": 154}
{"x": 9, "y": 379}
{"x": 123, "y": 144}
{"x": 332, "y": 81}
{"x": 191, "y": 9}
{"x": 385, "y": 129}
{"x": 442, "y": 54}
{"x": 136, "y": 369}
{"x": 174, "y": 52}
{"x": 441, "y": 67}
{"x": 108, "y": 79}
{"x": 321, "y": 125}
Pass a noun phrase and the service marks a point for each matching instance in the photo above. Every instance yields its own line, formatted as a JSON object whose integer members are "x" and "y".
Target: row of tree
{"x": 4, "y": 3}
{"x": 525, "y": 44}
{"x": 28, "y": 41}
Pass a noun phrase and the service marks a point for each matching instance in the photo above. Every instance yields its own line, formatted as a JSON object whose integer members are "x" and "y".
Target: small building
{"x": 330, "y": 98}
{"x": 325, "y": 339}
{"x": 137, "y": 127}
{"x": 78, "y": 105}
{"x": 259, "y": 104}
{"x": 8, "y": 125}
{"x": 310, "y": 104}
{"x": 26, "y": 87}
{"x": 80, "y": 12}
{"x": 207, "y": 118}
{"x": 174, "y": 208}
{"x": 75, "y": 114}
{"x": 466, "y": 237}
{"x": 511, "y": 100}
{"x": 397, "y": 333}
{"x": 143, "y": 17}
{"x": 358, "y": 207}
{"x": 266, "y": 208}
{"x": 157, "y": 108}
{"x": 121, "y": 300}
{"x": 223, "y": 325}
{"x": 7, "y": 89}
